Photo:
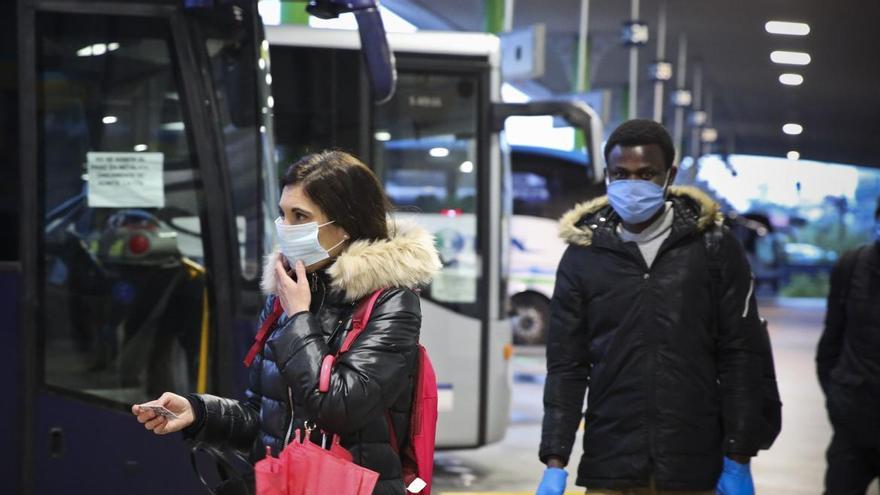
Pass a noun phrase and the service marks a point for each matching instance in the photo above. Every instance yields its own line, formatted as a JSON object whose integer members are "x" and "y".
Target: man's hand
{"x": 553, "y": 482}
{"x": 736, "y": 479}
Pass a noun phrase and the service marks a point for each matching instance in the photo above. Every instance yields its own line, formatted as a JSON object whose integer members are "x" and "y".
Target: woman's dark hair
{"x": 346, "y": 190}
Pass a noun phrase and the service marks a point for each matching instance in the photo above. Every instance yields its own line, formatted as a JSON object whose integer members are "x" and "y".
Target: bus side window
{"x": 124, "y": 307}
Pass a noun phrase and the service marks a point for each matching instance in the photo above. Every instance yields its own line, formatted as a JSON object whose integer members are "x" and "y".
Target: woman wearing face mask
{"x": 336, "y": 247}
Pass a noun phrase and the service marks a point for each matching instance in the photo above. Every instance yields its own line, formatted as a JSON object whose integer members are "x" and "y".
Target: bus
{"x": 546, "y": 184}
{"x": 138, "y": 194}
{"x": 438, "y": 149}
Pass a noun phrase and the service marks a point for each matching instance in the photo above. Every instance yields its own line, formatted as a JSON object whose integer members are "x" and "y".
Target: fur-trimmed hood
{"x": 407, "y": 259}
{"x": 572, "y": 232}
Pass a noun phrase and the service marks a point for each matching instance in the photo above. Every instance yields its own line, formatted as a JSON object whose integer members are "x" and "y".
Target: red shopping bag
{"x": 271, "y": 475}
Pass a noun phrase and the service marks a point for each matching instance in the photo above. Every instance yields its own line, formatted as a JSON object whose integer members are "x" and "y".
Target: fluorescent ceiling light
{"x": 791, "y": 58}
{"x": 109, "y": 119}
{"x": 382, "y": 136}
{"x": 140, "y": 147}
{"x": 97, "y": 49}
{"x": 793, "y": 155}
{"x": 789, "y": 28}
{"x": 270, "y": 102}
{"x": 792, "y": 129}
{"x": 173, "y": 126}
{"x": 269, "y": 79}
{"x": 439, "y": 152}
{"x": 466, "y": 167}
{"x": 791, "y": 79}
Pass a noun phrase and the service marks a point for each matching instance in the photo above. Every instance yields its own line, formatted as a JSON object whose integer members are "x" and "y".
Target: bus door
{"x": 134, "y": 240}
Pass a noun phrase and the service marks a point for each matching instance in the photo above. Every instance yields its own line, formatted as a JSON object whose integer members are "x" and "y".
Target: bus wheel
{"x": 530, "y": 317}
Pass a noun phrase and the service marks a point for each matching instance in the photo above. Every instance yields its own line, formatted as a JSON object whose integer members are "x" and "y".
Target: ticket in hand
{"x": 160, "y": 410}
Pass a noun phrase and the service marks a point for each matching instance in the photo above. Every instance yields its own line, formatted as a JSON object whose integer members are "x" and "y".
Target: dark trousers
{"x": 851, "y": 467}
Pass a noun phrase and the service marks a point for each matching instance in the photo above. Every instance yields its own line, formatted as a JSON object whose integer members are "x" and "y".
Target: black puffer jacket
{"x": 374, "y": 377}
{"x": 669, "y": 392}
{"x": 848, "y": 356}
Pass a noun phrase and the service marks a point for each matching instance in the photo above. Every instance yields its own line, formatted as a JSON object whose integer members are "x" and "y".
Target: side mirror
{"x": 378, "y": 57}
{"x": 576, "y": 113}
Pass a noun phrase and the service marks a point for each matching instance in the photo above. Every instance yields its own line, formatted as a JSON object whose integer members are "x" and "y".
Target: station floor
{"x": 794, "y": 466}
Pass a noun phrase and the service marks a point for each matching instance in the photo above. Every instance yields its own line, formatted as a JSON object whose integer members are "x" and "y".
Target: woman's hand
{"x": 295, "y": 295}
{"x": 160, "y": 425}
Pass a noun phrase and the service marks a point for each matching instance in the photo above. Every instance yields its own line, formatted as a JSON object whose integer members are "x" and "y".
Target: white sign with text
{"x": 126, "y": 180}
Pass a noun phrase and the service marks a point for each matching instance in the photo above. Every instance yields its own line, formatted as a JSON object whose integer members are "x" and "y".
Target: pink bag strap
{"x": 359, "y": 320}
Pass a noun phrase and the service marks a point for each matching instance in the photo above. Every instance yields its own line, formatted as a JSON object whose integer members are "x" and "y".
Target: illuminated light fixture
{"x": 262, "y": 129}
{"x": 466, "y": 167}
{"x": 793, "y": 155}
{"x": 97, "y": 49}
{"x": 270, "y": 101}
{"x": 269, "y": 79}
{"x": 382, "y": 136}
{"x": 439, "y": 152}
{"x": 791, "y": 79}
{"x": 792, "y": 129}
{"x": 787, "y": 28}
{"x": 262, "y": 64}
{"x": 172, "y": 126}
{"x": 140, "y": 147}
{"x": 109, "y": 119}
{"x": 709, "y": 135}
{"x": 790, "y": 58}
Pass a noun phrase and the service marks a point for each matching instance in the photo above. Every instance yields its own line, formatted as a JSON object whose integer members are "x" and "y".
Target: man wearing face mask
{"x": 848, "y": 364}
{"x": 672, "y": 359}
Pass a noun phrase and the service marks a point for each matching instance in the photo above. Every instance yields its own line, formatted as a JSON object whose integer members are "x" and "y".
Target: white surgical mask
{"x": 300, "y": 242}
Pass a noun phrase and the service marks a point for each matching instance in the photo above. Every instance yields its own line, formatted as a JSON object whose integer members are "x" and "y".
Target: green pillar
{"x": 579, "y": 138}
{"x": 294, "y": 13}
{"x": 494, "y": 10}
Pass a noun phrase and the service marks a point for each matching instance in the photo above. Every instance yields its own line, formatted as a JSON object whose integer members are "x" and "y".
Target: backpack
{"x": 771, "y": 406}
{"x": 417, "y": 452}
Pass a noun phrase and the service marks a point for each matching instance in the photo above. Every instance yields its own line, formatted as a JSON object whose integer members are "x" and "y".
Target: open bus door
{"x": 145, "y": 187}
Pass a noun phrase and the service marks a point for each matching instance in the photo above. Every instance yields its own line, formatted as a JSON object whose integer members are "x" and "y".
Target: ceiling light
{"x": 791, "y": 58}
{"x": 439, "y": 152}
{"x": 382, "y": 136}
{"x": 140, "y": 147}
{"x": 466, "y": 167}
{"x": 792, "y": 129}
{"x": 172, "y": 126}
{"x": 109, "y": 119}
{"x": 791, "y": 79}
{"x": 793, "y": 155}
{"x": 789, "y": 28}
{"x": 270, "y": 102}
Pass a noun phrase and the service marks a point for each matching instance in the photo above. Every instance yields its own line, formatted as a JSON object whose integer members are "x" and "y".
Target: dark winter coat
{"x": 670, "y": 390}
{"x": 848, "y": 357}
{"x": 373, "y": 378}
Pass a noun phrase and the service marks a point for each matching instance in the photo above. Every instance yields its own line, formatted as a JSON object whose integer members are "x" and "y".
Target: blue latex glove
{"x": 553, "y": 482}
{"x": 736, "y": 479}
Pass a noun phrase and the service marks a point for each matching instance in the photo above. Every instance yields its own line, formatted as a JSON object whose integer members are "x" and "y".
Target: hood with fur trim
{"x": 571, "y": 232}
{"x": 407, "y": 259}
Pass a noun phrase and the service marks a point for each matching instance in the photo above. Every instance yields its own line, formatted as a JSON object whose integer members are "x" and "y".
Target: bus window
{"x": 426, "y": 157}
{"x": 319, "y": 104}
{"x": 124, "y": 307}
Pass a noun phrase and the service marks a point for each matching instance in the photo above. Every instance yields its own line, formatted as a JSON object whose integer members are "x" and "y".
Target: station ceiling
{"x": 838, "y": 104}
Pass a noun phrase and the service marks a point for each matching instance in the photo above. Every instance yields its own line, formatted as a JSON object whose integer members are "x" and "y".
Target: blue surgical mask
{"x": 636, "y": 201}
{"x": 300, "y": 242}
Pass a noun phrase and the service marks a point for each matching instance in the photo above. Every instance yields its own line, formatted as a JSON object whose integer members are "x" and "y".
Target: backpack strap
{"x": 263, "y": 334}
{"x": 712, "y": 239}
{"x": 359, "y": 320}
